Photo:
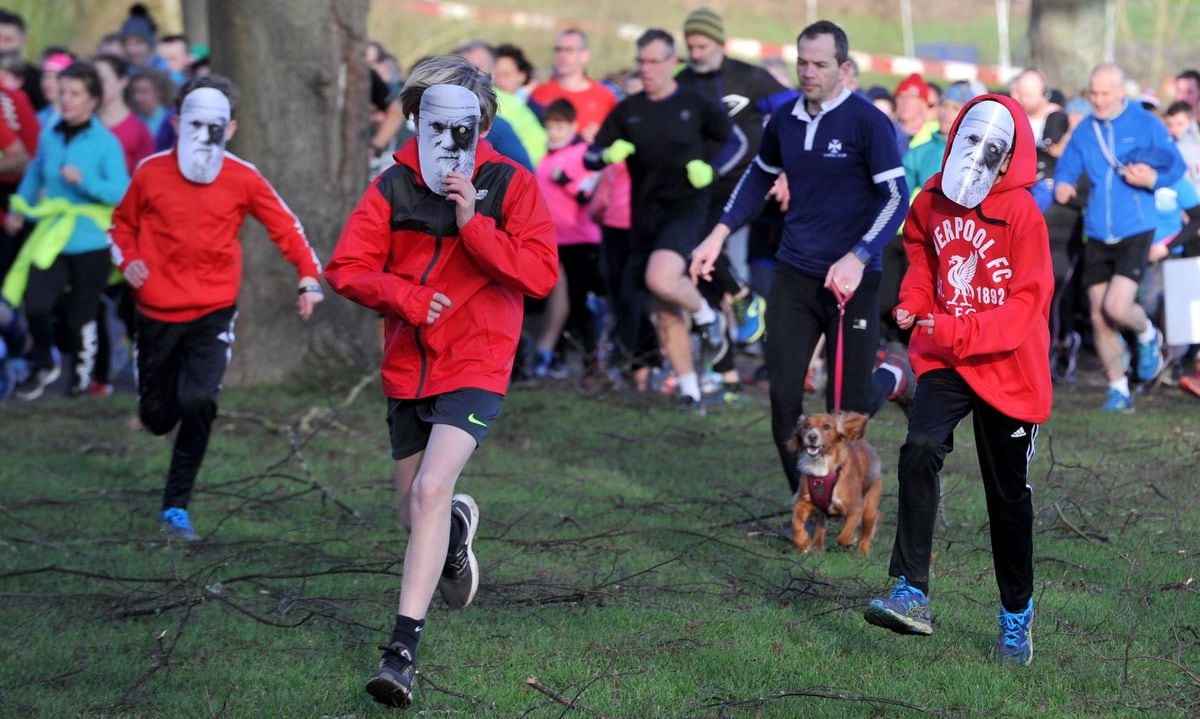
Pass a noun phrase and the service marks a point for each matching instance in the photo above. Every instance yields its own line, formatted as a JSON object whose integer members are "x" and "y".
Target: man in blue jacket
{"x": 1128, "y": 155}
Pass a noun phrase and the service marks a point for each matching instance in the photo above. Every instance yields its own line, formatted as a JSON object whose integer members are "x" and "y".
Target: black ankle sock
{"x": 456, "y": 531}
{"x": 408, "y": 633}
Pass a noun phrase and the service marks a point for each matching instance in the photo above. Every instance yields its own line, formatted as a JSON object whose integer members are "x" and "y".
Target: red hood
{"x": 408, "y": 155}
{"x": 1022, "y": 171}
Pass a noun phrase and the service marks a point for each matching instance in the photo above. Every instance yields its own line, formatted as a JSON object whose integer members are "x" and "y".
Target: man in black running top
{"x": 663, "y": 134}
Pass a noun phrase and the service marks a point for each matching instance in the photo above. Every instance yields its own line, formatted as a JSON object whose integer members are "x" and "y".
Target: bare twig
{"x": 821, "y": 694}
{"x": 533, "y": 683}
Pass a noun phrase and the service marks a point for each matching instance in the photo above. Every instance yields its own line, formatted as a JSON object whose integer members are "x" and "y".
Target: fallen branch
{"x": 1073, "y": 528}
{"x": 817, "y": 694}
{"x": 533, "y": 683}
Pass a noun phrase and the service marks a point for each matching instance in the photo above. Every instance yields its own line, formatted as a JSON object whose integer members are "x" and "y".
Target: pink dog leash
{"x": 837, "y": 359}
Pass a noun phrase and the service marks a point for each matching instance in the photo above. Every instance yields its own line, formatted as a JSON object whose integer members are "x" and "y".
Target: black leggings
{"x": 581, "y": 265}
{"x": 180, "y": 366}
{"x": 73, "y": 283}
{"x": 724, "y": 282}
{"x": 1005, "y": 446}
{"x": 635, "y": 343}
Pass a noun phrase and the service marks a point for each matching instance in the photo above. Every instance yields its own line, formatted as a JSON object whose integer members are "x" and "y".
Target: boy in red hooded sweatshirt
{"x": 977, "y": 294}
{"x": 445, "y": 244}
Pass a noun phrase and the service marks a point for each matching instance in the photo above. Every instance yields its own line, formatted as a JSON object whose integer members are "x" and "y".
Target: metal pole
{"x": 906, "y": 24}
{"x": 1110, "y": 31}
{"x": 1002, "y": 27}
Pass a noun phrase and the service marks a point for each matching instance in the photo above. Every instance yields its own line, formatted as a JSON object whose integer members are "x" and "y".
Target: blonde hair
{"x": 449, "y": 70}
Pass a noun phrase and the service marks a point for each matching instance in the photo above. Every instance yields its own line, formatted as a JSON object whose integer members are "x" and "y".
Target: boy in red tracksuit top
{"x": 445, "y": 244}
{"x": 175, "y": 238}
{"x": 977, "y": 295}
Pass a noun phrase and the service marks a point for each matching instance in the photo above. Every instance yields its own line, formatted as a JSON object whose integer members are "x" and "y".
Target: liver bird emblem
{"x": 960, "y": 275}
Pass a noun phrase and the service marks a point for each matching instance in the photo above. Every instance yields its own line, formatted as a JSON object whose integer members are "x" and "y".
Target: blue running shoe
{"x": 176, "y": 523}
{"x": 1014, "y": 645}
{"x": 906, "y": 611}
{"x": 1150, "y": 360}
{"x": 1118, "y": 402}
{"x": 752, "y": 320}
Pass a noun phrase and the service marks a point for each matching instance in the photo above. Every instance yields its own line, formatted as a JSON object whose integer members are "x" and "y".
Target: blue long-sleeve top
{"x": 97, "y": 154}
{"x": 1101, "y": 148}
{"x": 848, "y": 192}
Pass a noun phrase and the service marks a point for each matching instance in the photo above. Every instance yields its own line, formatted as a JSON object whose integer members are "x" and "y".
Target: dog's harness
{"x": 820, "y": 489}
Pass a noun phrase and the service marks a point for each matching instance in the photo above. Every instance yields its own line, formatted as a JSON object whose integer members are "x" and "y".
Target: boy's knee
{"x": 919, "y": 448}
{"x": 429, "y": 494}
{"x": 197, "y": 404}
{"x": 158, "y": 420}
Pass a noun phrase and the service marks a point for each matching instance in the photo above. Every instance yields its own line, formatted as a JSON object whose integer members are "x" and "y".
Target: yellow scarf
{"x": 56, "y": 224}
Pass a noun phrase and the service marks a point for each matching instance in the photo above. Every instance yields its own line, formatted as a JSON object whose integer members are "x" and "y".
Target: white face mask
{"x": 203, "y": 121}
{"x": 981, "y": 142}
{"x": 447, "y": 133}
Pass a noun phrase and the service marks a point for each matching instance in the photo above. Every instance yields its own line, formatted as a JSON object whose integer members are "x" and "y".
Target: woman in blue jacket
{"x": 76, "y": 178}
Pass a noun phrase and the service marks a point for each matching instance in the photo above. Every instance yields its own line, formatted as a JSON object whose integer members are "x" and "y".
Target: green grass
{"x": 632, "y": 560}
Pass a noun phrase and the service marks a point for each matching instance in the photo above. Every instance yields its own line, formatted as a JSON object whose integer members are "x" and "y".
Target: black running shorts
{"x": 411, "y": 420}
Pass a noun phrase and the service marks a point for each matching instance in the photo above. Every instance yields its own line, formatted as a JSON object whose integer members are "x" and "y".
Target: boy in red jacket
{"x": 175, "y": 238}
{"x": 444, "y": 244}
{"x": 978, "y": 292}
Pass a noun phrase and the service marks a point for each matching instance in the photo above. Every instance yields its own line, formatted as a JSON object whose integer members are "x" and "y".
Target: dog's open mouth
{"x": 813, "y": 451}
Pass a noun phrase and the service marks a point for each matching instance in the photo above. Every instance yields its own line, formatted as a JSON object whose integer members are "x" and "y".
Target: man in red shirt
{"x": 591, "y": 100}
{"x": 175, "y": 238}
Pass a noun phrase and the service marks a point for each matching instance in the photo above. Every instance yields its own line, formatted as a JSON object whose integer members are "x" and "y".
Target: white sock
{"x": 1121, "y": 385}
{"x": 689, "y": 384}
{"x": 1148, "y": 334}
{"x": 705, "y": 315}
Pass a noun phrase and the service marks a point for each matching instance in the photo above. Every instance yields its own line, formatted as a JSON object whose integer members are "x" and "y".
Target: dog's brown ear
{"x": 796, "y": 441}
{"x": 852, "y": 425}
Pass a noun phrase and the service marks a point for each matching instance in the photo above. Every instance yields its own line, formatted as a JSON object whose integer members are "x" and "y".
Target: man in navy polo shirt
{"x": 848, "y": 197}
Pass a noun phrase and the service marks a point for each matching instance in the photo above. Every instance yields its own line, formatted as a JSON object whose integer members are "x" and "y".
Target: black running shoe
{"x": 460, "y": 576}
{"x": 714, "y": 340}
{"x": 391, "y": 683}
{"x": 37, "y": 382}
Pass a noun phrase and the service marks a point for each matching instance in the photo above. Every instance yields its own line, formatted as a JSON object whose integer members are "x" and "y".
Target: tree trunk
{"x": 302, "y": 119}
{"x": 1066, "y": 41}
{"x": 195, "y": 21}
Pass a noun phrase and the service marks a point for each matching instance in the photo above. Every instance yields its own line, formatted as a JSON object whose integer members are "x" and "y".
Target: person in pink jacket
{"x": 568, "y": 189}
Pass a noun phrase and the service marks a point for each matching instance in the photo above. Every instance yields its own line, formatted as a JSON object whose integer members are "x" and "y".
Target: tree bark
{"x": 302, "y": 119}
{"x": 195, "y": 21}
{"x": 1066, "y": 40}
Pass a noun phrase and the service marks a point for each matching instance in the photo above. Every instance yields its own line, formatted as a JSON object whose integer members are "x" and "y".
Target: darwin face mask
{"x": 203, "y": 120}
{"x": 447, "y": 133}
{"x": 983, "y": 139}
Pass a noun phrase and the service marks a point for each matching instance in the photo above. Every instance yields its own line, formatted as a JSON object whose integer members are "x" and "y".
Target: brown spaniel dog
{"x": 839, "y": 477}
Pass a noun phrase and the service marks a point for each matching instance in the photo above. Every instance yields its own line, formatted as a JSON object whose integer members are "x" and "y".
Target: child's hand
{"x": 136, "y": 273}
{"x": 927, "y": 323}
{"x": 13, "y": 223}
{"x": 461, "y": 192}
{"x": 904, "y": 318}
{"x": 71, "y": 174}
{"x": 439, "y": 303}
